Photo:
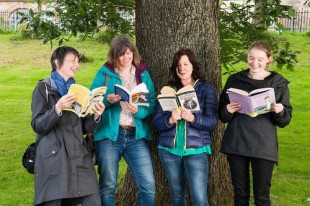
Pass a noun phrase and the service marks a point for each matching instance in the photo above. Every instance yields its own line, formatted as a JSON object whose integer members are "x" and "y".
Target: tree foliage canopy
{"x": 242, "y": 24}
{"x": 79, "y": 18}
{"x": 239, "y": 25}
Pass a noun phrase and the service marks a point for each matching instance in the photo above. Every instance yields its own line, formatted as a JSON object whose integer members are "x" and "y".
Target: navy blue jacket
{"x": 198, "y": 132}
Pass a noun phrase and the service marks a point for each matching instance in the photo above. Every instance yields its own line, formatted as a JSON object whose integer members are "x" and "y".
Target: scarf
{"x": 61, "y": 84}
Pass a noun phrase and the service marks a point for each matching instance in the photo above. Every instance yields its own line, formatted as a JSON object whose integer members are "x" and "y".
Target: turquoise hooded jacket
{"x": 109, "y": 126}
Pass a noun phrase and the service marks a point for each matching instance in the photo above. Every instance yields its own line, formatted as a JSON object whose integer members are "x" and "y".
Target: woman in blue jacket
{"x": 184, "y": 141}
{"x": 125, "y": 130}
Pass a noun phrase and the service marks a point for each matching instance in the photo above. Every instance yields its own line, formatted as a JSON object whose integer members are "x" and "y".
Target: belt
{"x": 125, "y": 127}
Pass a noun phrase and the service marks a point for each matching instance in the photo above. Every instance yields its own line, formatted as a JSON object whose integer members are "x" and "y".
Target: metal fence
{"x": 10, "y": 20}
{"x": 299, "y": 23}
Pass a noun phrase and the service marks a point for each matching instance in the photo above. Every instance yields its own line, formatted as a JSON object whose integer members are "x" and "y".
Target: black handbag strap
{"x": 46, "y": 81}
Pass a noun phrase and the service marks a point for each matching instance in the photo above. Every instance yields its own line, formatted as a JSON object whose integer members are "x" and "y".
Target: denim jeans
{"x": 137, "y": 156}
{"x": 240, "y": 175}
{"x": 192, "y": 167}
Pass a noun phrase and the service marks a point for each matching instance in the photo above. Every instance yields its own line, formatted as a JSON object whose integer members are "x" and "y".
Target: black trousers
{"x": 90, "y": 200}
{"x": 240, "y": 175}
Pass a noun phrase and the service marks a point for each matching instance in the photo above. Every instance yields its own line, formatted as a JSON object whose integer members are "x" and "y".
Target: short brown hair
{"x": 264, "y": 46}
{"x": 118, "y": 47}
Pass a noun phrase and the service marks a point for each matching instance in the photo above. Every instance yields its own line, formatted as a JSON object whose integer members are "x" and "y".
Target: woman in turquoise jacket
{"x": 124, "y": 130}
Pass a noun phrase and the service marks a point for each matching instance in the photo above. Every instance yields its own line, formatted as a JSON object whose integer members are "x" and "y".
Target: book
{"x": 185, "y": 97}
{"x": 256, "y": 102}
{"x": 138, "y": 95}
{"x": 86, "y": 99}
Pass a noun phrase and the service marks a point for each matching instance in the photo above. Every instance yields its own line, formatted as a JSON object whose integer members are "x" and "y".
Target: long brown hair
{"x": 198, "y": 73}
{"x": 118, "y": 47}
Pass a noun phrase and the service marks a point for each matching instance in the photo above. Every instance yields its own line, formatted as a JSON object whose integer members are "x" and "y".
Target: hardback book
{"x": 256, "y": 102}
{"x": 185, "y": 97}
{"x": 139, "y": 95}
{"x": 86, "y": 99}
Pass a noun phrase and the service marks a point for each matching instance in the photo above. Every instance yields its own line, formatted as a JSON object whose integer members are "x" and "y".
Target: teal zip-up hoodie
{"x": 109, "y": 126}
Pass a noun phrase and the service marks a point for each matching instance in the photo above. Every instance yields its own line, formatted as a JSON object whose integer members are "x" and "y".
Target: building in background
{"x": 10, "y": 13}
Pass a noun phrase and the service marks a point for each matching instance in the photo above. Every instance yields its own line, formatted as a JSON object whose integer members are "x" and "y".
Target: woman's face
{"x": 125, "y": 60}
{"x": 257, "y": 60}
{"x": 185, "y": 68}
{"x": 69, "y": 67}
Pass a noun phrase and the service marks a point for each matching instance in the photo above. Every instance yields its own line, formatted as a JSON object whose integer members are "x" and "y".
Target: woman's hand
{"x": 187, "y": 115}
{"x": 130, "y": 108}
{"x": 175, "y": 116}
{"x": 233, "y": 107}
{"x": 98, "y": 109}
{"x": 65, "y": 101}
{"x": 277, "y": 108}
{"x": 113, "y": 98}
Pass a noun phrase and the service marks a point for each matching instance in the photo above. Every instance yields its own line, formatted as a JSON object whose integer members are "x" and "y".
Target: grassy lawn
{"x": 24, "y": 62}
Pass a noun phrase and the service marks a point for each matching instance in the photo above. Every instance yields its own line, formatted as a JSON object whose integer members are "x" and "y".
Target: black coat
{"x": 254, "y": 136}
{"x": 63, "y": 165}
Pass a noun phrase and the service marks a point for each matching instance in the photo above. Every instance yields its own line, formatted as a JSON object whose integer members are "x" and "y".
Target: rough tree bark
{"x": 162, "y": 27}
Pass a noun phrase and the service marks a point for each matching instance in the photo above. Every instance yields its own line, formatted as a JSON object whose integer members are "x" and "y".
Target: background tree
{"x": 65, "y": 18}
{"x": 241, "y": 24}
{"x": 161, "y": 29}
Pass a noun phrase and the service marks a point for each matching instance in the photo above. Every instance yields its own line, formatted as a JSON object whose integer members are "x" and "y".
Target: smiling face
{"x": 69, "y": 67}
{"x": 184, "y": 69}
{"x": 125, "y": 61}
{"x": 258, "y": 60}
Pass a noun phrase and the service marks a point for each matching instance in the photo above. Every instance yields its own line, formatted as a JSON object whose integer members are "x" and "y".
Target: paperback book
{"x": 86, "y": 99}
{"x": 185, "y": 97}
{"x": 139, "y": 95}
{"x": 256, "y": 102}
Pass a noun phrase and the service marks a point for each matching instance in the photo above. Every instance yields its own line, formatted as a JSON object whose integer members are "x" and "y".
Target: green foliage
{"x": 80, "y": 19}
{"x": 243, "y": 24}
{"x": 105, "y": 36}
{"x": 2, "y": 31}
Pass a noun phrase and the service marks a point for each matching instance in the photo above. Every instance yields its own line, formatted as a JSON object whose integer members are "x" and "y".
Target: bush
{"x": 105, "y": 36}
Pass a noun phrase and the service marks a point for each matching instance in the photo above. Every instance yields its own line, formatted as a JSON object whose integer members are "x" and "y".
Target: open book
{"x": 258, "y": 101}
{"x": 85, "y": 99}
{"x": 185, "y": 97}
{"x": 138, "y": 95}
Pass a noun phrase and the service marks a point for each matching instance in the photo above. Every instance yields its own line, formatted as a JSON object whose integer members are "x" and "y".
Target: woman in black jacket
{"x": 64, "y": 172}
{"x": 253, "y": 140}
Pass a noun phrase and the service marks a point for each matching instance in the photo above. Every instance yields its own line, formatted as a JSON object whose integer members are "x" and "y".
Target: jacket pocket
{"x": 51, "y": 151}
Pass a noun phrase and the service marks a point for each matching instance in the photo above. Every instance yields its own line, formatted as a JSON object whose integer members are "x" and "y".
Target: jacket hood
{"x": 273, "y": 80}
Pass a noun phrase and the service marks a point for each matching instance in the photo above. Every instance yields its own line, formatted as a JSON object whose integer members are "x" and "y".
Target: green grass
{"x": 24, "y": 62}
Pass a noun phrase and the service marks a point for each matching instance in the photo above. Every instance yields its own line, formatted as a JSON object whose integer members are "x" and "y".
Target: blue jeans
{"x": 138, "y": 158}
{"x": 192, "y": 167}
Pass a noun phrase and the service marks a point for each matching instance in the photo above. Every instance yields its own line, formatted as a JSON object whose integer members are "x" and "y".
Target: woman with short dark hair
{"x": 64, "y": 171}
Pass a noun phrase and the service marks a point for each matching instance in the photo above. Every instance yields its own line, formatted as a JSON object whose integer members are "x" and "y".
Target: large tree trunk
{"x": 162, "y": 27}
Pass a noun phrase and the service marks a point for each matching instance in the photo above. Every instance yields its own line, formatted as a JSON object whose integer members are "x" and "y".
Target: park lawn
{"x": 24, "y": 62}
